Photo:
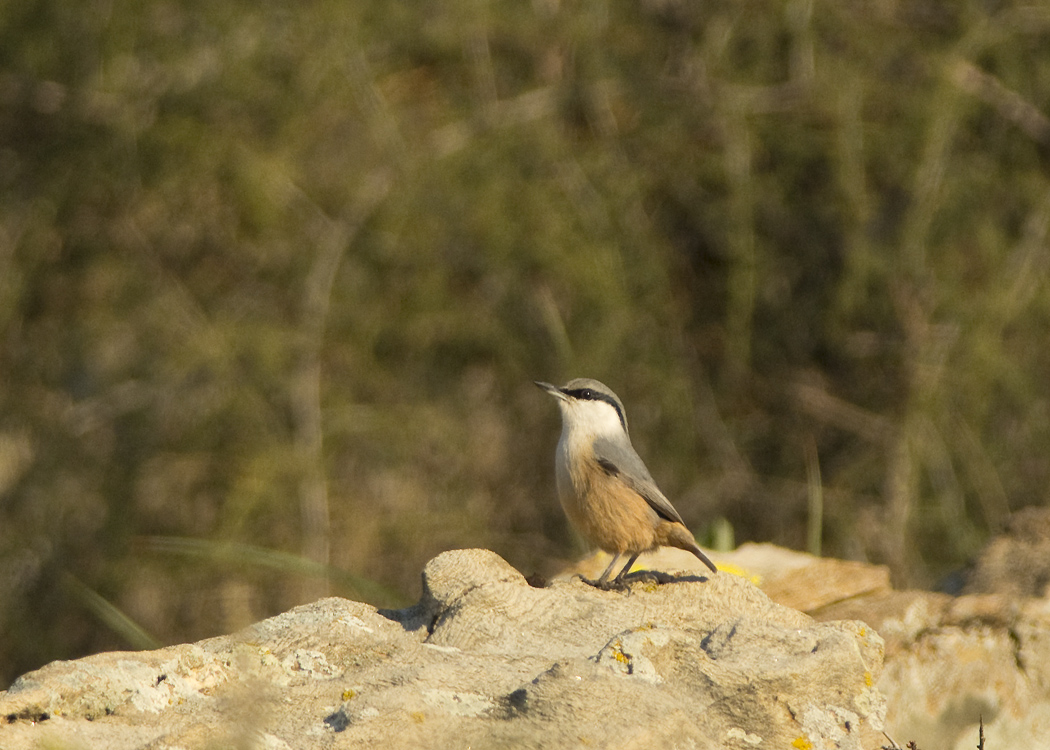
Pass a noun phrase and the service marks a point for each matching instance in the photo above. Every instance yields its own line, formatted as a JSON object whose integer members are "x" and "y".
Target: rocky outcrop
{"x": 951, "y": 661}
{"x": 483, "y": 660}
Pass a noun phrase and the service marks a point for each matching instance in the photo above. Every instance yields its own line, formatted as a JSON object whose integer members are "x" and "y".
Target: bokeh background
{"x": 276, "y": 279}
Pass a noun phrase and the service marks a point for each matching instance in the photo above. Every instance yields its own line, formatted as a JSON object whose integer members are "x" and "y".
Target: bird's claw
{"x": 616, "y": 584}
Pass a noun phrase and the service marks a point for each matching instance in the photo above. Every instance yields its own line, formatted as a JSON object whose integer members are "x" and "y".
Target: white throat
{"x": 587, "y": 420}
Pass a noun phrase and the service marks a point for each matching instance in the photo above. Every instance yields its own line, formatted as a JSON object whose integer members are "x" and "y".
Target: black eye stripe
{"x": 585, "y": 394}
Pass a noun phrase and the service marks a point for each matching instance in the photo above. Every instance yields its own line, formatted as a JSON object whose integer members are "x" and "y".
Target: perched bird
{"x": 604, "y": 488}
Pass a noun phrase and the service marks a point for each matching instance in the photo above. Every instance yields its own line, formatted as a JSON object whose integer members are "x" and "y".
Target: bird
{"x": 603, "y": 485}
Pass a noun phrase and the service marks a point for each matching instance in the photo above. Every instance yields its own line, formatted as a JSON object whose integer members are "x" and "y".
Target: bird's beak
{"x": 552, "y": 390}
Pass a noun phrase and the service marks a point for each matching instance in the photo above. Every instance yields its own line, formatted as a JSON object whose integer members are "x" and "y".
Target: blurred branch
{"x": 590, "y": 205}
{"x": 927, "y": 346}
{"x": 742, "y": 279}
{"x": 1029, "y": 262}
{"x": 377, "y": 110}
{"x": 846, "y": 416}
{"x": 815, "y": 494}
{"x": 235, "y": 553}
{"x": 851, "y": 153}
{"x": 738, "y": 476}
{"x": 861, "y": 258}
{"x": 984, "y": 476}
{"x": 17, "y": 453}
{"x": 181, "y": 308}
{"x": 95, "y": 412}
{"x": 479, "y": 52}
{"x": 333, "y": 238}
{"x": 945, "y": 487}
{"x": 929, "y": 176}
{"x": 555, "y": 324}
{"x": 1008, "y": 103}
{"x": 522, "y": 109}
{"x": 113, "y": 617}
{"x": 799, "y": 17}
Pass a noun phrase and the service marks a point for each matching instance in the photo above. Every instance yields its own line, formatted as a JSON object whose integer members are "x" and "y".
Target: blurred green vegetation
{"x": 275, "y": 280}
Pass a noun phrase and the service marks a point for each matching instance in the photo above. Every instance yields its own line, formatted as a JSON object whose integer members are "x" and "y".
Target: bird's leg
{"x": 602, "y": 582}
{"x": 618, "y": 581}
{"x": 603, "y": 579}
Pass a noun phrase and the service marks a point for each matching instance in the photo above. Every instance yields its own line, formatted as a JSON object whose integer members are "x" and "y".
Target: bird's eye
{"x": 587, "y": 393}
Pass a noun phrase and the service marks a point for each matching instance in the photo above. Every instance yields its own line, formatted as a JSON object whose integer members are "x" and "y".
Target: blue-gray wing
{"x": 622, "y": 461}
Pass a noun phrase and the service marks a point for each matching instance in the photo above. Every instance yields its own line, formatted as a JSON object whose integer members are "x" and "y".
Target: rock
{"x": 953, "y": 662}
{"x": 805, "y": 582}
{"x": 483, "y": 660}
{"x": 950, "y": 661}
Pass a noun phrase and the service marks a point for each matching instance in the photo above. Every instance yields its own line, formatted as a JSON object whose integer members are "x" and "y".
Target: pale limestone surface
{"x": 951, "y": 661}
{"x": 483, "y": 661}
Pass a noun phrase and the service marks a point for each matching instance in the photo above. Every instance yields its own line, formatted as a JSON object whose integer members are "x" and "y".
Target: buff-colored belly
{"x": 605, "y": 511}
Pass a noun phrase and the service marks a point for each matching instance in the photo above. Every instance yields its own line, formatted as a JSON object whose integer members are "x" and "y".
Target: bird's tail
{"x": 677, "y": 535}
{"x": 703, "y": 558}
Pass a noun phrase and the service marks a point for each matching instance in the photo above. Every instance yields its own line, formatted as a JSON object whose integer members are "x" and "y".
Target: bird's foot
{"x": 615, "y": 584}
